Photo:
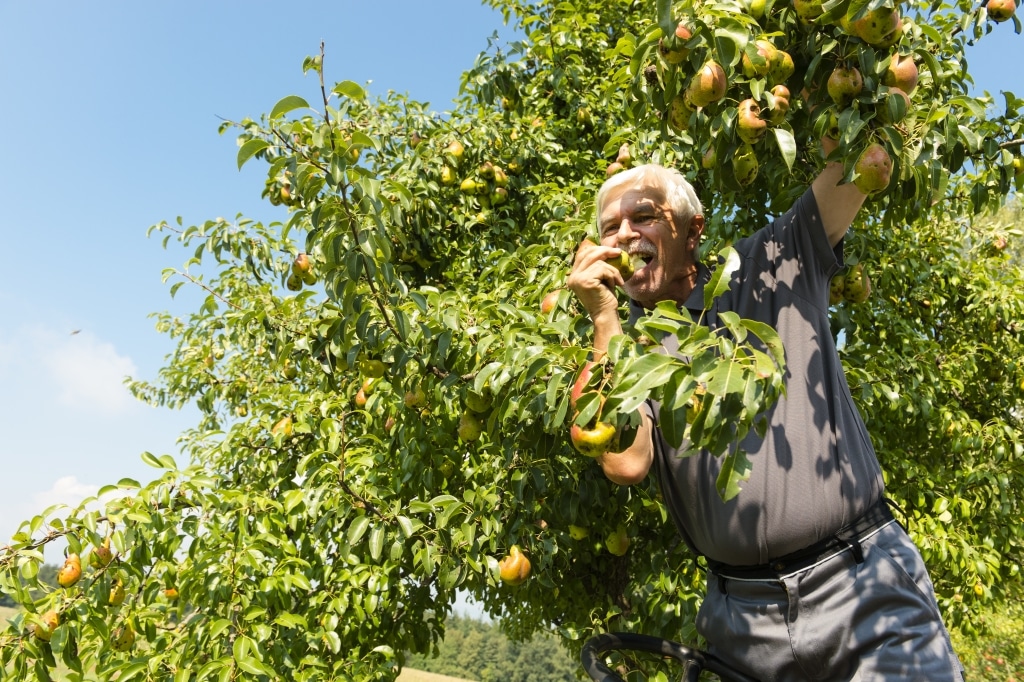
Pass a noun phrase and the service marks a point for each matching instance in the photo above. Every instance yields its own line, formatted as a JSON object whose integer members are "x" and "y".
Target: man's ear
{"x": 696, "y": 230}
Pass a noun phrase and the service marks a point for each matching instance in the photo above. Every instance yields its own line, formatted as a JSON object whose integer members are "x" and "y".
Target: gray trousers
{"x": 836, "y": 620}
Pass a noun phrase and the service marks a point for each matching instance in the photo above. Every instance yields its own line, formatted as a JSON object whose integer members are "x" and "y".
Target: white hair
{"x": 679, "y": 194}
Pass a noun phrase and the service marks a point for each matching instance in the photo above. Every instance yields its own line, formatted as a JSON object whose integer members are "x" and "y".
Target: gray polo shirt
{"x": 815, "y": 470}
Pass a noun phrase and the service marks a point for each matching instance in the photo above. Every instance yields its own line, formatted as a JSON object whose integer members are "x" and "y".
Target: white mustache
{"x": 641, "y": 247}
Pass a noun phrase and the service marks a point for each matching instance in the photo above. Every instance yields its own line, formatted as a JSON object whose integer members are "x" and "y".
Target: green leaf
{"x": 292, "y": 499}
{"x": 350, "y": 90}
{"x": 484, "y": 375}
{"x": 406, "y": 525}
{"x": 970, "y": 138}
{"x": 732, "y": 322}
{"x": 727, "y": 379}
{"x": 787, "y": 146}
{"x": 888, "y": 392}
{"x": 588, "y": 405}
{"x": 240, "y": 648}
{"x": 538, "y": 364}
{"x": 291, "y": 620}
{"x": 333, "y": 641}
{"x": 250, "y": 148}
{"x": 219, "y": 626}
{"x": 649, "y": 371}
{"x": 208, "y": 669}
{"x": 289, "y": 103}
{"x": 420, "y": 507}
{"x": 672, "y": 422}
{"x": 735, "y": 469}
{"x": 666, "y": 20}
{"x": 151, "y": 459}
{"x": 731, "y": 38}
{"x": 357, "y": 529}
{"x": 729, "y": 262}
{"x": 376, "y": 542}
{"x": 250, "y": 665}
{"x": 360, "y": 139}
{"x": 126, "y": 673}
{"x": 769, "y": 337}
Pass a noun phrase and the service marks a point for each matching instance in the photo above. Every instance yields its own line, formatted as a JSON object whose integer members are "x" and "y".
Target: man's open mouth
{"x": 640, "y": 258}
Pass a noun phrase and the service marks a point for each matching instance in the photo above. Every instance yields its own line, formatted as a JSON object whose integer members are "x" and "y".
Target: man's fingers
{"x": 590, "y": 252}
{"x": 596, "y": 270}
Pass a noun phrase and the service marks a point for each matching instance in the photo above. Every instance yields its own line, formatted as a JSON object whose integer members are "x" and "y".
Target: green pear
{"x": 617, "y": 541}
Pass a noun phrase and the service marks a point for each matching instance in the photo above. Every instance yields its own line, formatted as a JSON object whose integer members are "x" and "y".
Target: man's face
{"x": 639, "y": 221}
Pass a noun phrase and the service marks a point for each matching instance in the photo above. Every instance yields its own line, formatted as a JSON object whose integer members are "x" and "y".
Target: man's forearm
{"x": 606, "y": 326}
{"x": 631, "y": 465}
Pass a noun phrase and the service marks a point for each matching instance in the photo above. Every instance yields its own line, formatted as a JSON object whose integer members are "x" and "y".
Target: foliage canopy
{"x": 378, "y": 432}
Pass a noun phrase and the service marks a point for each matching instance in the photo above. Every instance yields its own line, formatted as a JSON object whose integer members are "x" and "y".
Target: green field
{"x": 410, "y": 675}
{"x": 5, "y": 613}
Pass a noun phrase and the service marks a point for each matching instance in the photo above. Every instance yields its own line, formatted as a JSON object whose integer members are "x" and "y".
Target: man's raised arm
{"x": 838, "y": 204}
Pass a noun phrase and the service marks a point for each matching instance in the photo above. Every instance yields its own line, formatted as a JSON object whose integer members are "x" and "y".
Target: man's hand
{"x": 593, "y": 279}
{"x": 838, "y": 203}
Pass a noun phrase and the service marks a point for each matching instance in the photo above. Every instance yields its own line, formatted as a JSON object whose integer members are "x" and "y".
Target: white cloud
{"x": 65, "y": 490}
{"x": 90, "y": 372}
{"x": 69, "y": 492}
{"x": 83, "y": 371}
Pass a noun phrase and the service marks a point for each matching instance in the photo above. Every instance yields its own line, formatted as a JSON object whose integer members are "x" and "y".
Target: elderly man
{"x": 809, "y": 576}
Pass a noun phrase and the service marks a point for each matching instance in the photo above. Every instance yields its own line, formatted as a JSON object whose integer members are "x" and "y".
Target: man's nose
{"x": 626, "y": 234}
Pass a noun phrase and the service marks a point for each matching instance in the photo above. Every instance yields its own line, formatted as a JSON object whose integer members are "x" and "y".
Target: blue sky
{"x": 110, "y": 112}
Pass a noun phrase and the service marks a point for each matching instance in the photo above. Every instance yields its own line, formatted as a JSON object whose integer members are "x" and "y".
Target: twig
{"x": 347, "y": 203}
{"x": 366, "y": 266}
{"x": 210, "y": 291}
{"x": 368, "y": 505}
{"x": 323, "y": 93}
{"x": 285, "y": 142}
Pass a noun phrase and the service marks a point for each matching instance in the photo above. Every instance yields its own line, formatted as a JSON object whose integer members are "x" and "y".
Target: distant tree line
{"x": 47, "y": 575}
{"x": 477, "y": 650}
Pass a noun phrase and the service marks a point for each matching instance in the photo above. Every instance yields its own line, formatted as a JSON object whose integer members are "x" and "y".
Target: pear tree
{"x": 389, "y": 376}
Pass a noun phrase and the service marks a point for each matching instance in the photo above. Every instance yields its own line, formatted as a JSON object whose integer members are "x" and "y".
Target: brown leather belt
{"x": 848, "y": 537}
